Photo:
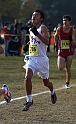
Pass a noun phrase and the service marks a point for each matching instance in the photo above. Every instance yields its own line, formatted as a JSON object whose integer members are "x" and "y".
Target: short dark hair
{"x": 41, "y": 13}
{"x": 68, "y": 17}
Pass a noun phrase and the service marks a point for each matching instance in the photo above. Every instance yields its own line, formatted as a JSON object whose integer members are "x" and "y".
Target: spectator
{"x": 28, "y": 25}
{"x": 49, "y": 33}
{"x": 56, "y": 45}
{"x": 6, "y": 32}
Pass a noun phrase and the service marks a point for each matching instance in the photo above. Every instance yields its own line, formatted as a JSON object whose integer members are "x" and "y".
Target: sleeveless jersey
{"x": 37, "y": 47}
{"x": 64, "y": 40}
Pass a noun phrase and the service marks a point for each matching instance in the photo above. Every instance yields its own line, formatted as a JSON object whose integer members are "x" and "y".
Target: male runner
{"x": 66, "y": 44}
{"x": 38, "y": 62}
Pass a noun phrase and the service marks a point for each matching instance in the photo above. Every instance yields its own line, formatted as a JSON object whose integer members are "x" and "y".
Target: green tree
{"x": 54, "y": 10}
{"x": 20, "y": 9}
{"x": 28, "y": 8}
{"x": 10, "y": 8}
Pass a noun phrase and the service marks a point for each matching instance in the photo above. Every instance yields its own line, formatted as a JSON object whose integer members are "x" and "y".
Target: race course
{"x": 43, "y": 111}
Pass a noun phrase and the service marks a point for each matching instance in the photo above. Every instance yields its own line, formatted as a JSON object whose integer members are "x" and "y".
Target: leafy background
{"x": 22, "y": 10}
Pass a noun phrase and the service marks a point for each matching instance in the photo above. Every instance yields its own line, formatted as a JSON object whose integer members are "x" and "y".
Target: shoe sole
{"x": 67, "y": 87}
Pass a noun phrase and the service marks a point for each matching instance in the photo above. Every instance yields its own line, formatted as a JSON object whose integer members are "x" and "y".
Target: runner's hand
{"x": 34, "y": 30}
{"x": 26, "y": 48}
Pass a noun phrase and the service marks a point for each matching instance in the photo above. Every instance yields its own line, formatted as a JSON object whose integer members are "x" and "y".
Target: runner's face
{"x": 36, "y": 18}
{"x": 66, "y": 22}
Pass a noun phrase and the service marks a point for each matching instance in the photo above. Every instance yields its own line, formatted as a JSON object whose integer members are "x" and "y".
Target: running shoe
{"x": 27, "y": 105}
{"x": 53, "y": 98}
{"x": 67, "y": 86}
{"x": 7, "y": 96}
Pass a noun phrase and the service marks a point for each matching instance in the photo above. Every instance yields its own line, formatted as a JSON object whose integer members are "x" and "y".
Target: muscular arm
{"x": 44, "y": 37}
{"x": 74, "y": 38}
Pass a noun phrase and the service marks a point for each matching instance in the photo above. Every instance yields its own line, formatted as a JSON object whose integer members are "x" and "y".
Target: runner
{"x": 66, "y": 34}
{"x": 5, "y": 89}
{"x": 38, "y": 62}
{"x": 1, "y": 50}
{"x": 5, "y": 92}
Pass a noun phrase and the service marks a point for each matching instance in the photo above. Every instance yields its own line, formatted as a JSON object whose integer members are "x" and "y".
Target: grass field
{"x": 43, "y": 111}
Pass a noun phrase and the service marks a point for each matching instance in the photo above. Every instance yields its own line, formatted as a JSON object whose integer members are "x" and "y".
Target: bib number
{"x": 65, "y": 44}
{"x": 33, "y": 50}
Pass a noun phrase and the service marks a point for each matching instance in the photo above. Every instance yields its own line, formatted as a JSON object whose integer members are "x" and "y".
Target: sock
{"x": 52, "y": 92}
{"x": 29, "y": 98}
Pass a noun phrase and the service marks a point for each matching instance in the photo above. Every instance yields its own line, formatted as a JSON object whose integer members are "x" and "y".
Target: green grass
{"x": 43, "y": 111}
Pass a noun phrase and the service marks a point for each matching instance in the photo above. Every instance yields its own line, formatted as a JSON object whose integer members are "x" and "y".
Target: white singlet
{"x": 38, "y": 60}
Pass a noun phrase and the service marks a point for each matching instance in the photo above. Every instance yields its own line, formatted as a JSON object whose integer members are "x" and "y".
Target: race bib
{"x": 33, "y": 50}
{"x": 65, "y": 44}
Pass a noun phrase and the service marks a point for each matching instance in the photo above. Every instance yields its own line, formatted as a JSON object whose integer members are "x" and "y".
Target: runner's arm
{"x": 44, "y": 37}
{"x": 1, "y": 50}
{"x": 74, "y": 38}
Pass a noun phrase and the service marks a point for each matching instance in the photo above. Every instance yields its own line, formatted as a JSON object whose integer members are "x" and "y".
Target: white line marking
{"x": 61, "y": 88}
